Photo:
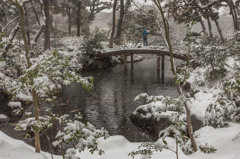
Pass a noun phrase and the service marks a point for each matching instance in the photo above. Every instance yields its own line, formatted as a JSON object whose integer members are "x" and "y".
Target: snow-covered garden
{"x": 202, "y": 122}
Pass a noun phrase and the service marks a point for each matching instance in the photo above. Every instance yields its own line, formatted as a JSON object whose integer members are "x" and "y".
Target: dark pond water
{"x": 111, "y": 102}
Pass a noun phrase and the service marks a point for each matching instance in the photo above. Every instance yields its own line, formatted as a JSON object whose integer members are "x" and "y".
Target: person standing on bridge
{"x": 145, "y": 37}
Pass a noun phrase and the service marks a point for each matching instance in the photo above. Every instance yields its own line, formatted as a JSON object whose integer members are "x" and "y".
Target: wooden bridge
{"x": 159, "y": 51}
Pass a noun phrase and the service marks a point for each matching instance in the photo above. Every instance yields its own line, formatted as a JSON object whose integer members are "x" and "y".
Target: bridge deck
{"x": 142, "y": 51}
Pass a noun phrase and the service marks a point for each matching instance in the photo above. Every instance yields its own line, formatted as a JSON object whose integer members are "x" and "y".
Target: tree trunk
{"x": 27, "y": 26}
{"x": 233, "y": 12}
{"x": 173, "y": 68}
{"x": 39, "y": 33}
{"x": 69, "y": 21}
{"x": 46, "y": 9}
{"x": 26, "y": 46}
{"x": 34, "y": 10}
{"x": 36, "y": 131}
{"x": 113, "y": 24}
{"x": 219, "y": 29}
{"x": 203, "y": 27}
{"x": 1, "y": 28}
{"x": 120, "y": 21}
{"x": 91, "y": 16}
{"x": 210, "y": 27}
{"x": 78, "y": 18}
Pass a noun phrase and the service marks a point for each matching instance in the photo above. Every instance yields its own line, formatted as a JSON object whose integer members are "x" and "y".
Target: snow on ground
{"x": 16, "y": 149}
{"x": 201, "y": 101}
{"x": 221, "y": 139}
{"x": 118, "y": 147}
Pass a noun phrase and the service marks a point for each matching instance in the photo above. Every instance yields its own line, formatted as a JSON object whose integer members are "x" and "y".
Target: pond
{"x": 111, "y": 102}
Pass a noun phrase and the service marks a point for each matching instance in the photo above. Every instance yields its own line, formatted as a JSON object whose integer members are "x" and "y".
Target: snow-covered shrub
{"x": 49, "y": 73}
{"x": 92, "y": 45}
{"x": 173, "y": 108}
{"x": 146, "y": 149}
{"x": 187, "y": 148}
{"x": 207, "y": 148}
{"x": 236, "y": 116}
{"x": 81, "y": 136}
{"x": 219, "y": 112}
{"x": 213, "y": 52}
{"x": 170, "y": 104}
{"x": 210, "y": 51}
{"x": 31, "y": 124}
{"x": 232, "y": 88}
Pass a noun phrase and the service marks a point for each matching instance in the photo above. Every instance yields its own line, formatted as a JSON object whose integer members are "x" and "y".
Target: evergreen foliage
{"x": 219, "y": 112}
{"x": 92, "y": 45}
{"x": 207, "y": 148}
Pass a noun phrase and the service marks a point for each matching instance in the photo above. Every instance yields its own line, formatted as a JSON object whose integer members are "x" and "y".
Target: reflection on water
{"x": 110, "y": 103}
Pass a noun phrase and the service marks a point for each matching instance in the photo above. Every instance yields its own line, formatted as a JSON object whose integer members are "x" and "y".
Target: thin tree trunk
{"x": 78, "y": 18}
{"x": 203, "y": 26}
{"x": 46, "y": 9}
{"x": 27, "y": 26}
{"x": 219, "y": 29}
{"x": 34, "y": 10}
{"x": 26, "y": 46}
{"x": 1, "y": 28}
{"x": 176, "y": 148}
{"x": 113, "y": 24}
{"x": 39, "y": 33}
{"x": 37, "y": 136}
{"x": 120, "y": 21}
{"x": 167, "y": 34}
{"x": 210, "y": 27}
{"x": 233, "y": 12}
{"x": 91, "y": 16}
{"x": 69, "y": 21}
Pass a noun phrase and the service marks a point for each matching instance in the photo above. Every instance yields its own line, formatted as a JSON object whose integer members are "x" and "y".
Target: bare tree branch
{"x": 11, "y": 37}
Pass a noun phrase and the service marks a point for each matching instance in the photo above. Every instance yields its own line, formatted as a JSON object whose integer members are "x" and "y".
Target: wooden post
{"x": 158, "y": 63}
{"x": 125, "y": 62}
{"x": 132, "y": 77}
{"x": 132, "y": 62}
{"x": 158, "y": 76}
{"x": 163, "y": 68}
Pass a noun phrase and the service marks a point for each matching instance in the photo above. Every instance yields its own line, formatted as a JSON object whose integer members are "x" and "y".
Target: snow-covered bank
{"x": 117, "y": 147}
{"x": 222, "y": 140}
{"x": 16, "y": 149}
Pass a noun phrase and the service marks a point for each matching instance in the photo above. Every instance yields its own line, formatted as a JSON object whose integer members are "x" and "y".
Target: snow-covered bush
{"x": 44, "y": 122}
{"x": 146, "y": 149}
{"x": 232, "y": 88}
{"x": 207, "y": 148}
{"x": 219, "y": 112}
{"x": 236, "y": 116}
{"x": 72, "y": 132}
{"x": 92, "y": 45}
{"x": 209, "y": 51}
{"x": 173, "y": 108}
{"x": 49, "y": 73}
{"x": 213, "y": 52}
{"x": 81, "y": 136}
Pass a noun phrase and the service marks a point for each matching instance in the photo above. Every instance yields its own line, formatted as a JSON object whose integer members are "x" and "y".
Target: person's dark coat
{"x": 145, "y": 34}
